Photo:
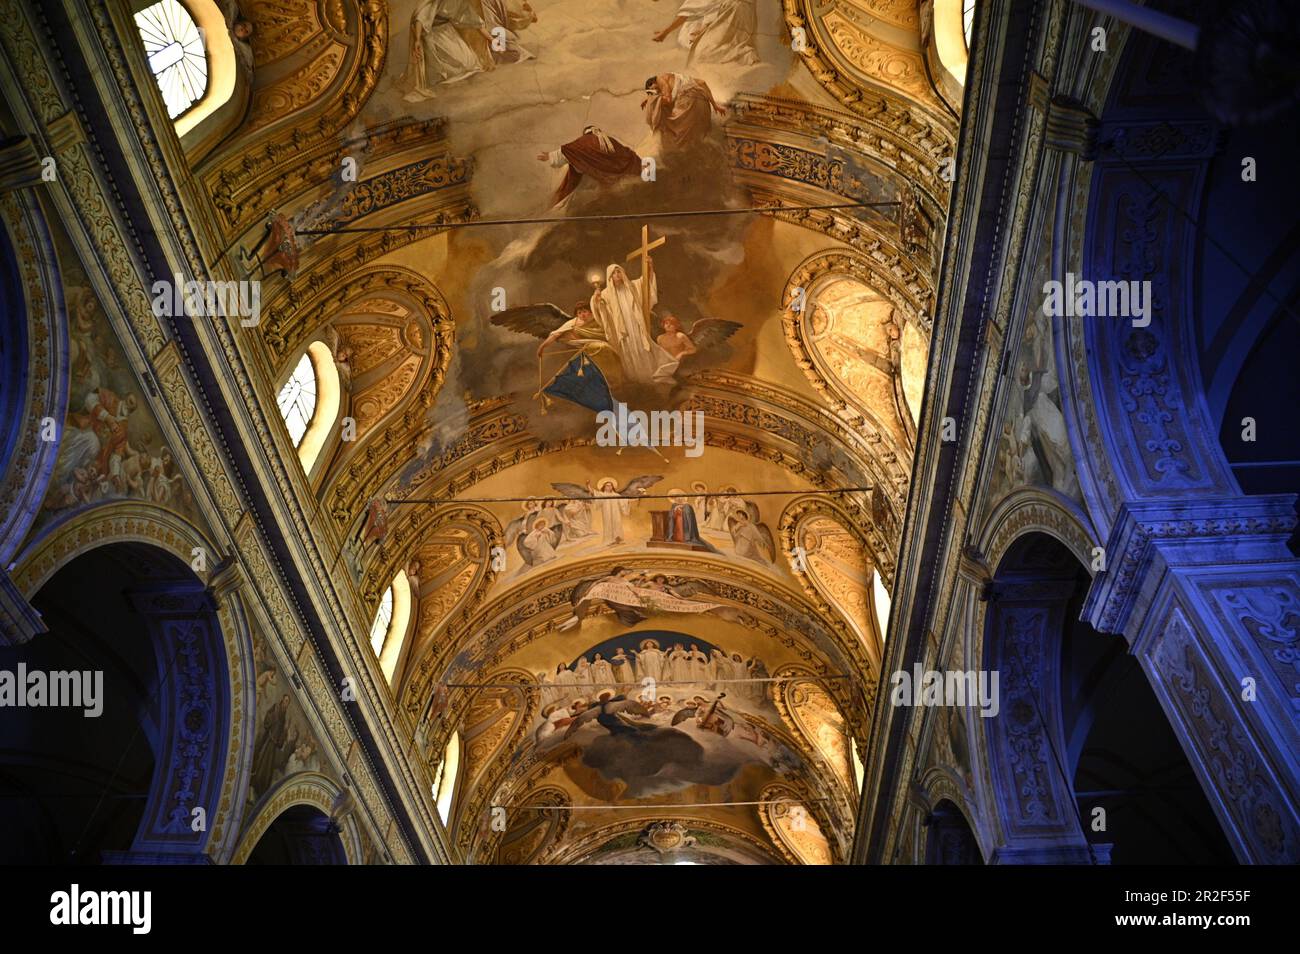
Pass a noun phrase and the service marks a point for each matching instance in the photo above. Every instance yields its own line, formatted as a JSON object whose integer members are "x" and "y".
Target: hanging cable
{"x": 558, "y": 496}
{"x": 613, "y": 217}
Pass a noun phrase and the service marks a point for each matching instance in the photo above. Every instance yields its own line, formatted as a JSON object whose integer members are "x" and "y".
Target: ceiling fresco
{"x": 557, "y": 208}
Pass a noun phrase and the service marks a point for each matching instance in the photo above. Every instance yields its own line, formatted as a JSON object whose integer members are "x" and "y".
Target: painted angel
{"x": 612, "y": 503}
{"x": 705, "y": 335}
{"x": 535, "y": 534}
{"x": 634, "y": 596}
{"x": 579, "y": 331}
{"x": 751, "y": 537}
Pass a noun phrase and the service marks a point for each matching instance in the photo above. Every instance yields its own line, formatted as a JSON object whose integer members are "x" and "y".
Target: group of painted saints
{"x": 595, "y": 514}
{"x": 648, "y": 679}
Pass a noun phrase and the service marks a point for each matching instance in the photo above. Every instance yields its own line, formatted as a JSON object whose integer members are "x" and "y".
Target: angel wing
{"x": 684, "y": 714}
{"x": 514, "y": 529}
{"x": 637, "y": 484}
{"x": 537, "y": 320}
{"x": 769, "y": 542}
{"x": 708, "y": 333}
{"x": 577, "y": 491}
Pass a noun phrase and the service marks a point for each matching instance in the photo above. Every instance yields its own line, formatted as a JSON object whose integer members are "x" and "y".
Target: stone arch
{"x": 306, "y": 788}
{"x": 1035, "y": 510}
{"x": 190, "y": 662}
{"x": 119, "y": 521}
{"x": 1079, "y": 731}
{"x": 1199, "y": 571}
{"x": 228, "y": 635}
{"x": 37, "y": 353}
{"x": 951, "y": 837}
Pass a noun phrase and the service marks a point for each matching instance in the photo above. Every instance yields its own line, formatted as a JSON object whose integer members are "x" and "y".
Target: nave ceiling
{"x": 405, "y": 226}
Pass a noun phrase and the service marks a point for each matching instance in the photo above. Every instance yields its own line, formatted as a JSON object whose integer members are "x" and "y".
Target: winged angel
{"x": 680, "y": 348}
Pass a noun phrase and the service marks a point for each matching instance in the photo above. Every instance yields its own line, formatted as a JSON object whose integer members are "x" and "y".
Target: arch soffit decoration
{"x": 858, "y": 68}
{"x": 252, "y": 171}
{"x": 461, "y": 468}
{"x": 805, "y": 510}
{"x": 26, "y": 475}
{"x": 399, "y": 417}
{"x": 305, "y": 788}
{"x": 875, "y": 141}
{"x": 586, "y": 845}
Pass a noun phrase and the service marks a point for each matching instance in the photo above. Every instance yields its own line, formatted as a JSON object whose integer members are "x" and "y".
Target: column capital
{"x": 19, "y": 620}
{"x": 1150, "y": 537}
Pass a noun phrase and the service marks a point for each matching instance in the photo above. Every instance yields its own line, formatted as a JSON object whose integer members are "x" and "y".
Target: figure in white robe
{"x": 575, "y": 515}
{"x": 679, "y": 665}
{"x": 510, "y": 16}
{"x": 650, "y": 661}
{"x": 612, "y": 509}
{"x": 566, "y": 684}
{"x": 602, "y": 673}
{"x": 715, "y": 31}
{"x": 539, "y": 543}
{"x": 555, "y": 719}
{"x": 619, "y": 310}
{"x": 584, "y": 678}
{"x": 438, "y": 51}
{"x": 546, "y": 690}
{"x": 719, "y": 670}
{"x": 624, "y": 670}
{"x": 699, "y": 665}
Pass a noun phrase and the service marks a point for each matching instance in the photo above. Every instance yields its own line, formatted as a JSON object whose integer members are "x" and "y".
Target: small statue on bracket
{"x": 278, "y": 251}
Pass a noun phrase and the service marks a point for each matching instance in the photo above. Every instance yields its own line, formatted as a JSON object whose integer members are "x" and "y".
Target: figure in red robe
{"x": 376, "y": 527}
{"x": 593, "y": 154}
{"x": 279, "y": 248}
{"x": 680, "y": 109}
{"x": 106, "y": 415}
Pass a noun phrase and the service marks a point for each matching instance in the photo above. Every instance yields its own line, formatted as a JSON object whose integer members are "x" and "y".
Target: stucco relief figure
{"x": 1035, "y": 440}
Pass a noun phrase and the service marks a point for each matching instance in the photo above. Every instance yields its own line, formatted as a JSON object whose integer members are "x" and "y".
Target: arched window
{"x": 445, "y": 783}
{"x": 880, "y": 597}
{"x": 297, "y": 399}
{"x": 953, "y": 22}
{"x": 859, "y": 772}
{"x": 384, "y": 616}
{"x": 309, "y": 402}
{"x": 388, "y": 631}
{"x": 192, "y": 57}
{"x": 177, "y": 56}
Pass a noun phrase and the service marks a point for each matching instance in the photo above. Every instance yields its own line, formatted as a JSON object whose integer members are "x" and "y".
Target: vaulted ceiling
{"x": 422, "y": 213}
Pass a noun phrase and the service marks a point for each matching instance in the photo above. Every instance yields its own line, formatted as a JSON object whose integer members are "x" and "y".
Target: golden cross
{"x": 644, "y": 254}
